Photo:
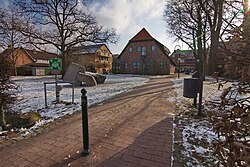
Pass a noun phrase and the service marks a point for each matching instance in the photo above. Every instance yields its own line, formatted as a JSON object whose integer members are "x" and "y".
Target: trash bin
{"x": 195, "y": 74}
{"x": 191, "y": 86}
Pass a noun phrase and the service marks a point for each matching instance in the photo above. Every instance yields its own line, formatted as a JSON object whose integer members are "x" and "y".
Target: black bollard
{"x": 85, "y": 129}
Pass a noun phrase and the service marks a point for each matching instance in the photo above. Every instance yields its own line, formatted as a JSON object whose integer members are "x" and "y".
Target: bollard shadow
{"x": 150, "y": 148}
{"x": 139, "y": 138}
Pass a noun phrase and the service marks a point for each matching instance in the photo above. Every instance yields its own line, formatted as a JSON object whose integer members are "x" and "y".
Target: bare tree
{"x": 213, "y": 20}
{"x": 186, "y": 21}
{"x": 213, "y": 10}
{"x": 10, "y": 36}
{"x": 63, "y": 24}
{"x": 233, "y": 40}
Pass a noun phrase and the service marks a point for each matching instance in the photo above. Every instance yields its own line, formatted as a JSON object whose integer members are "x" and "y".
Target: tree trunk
{"x": 212, "y": 60}
{"x": 2, "y": 116}
{"x": 215, "y": 24}
{"x": 199, "y": 41}
{"x": 205, "y": 70}
{"x": 63, "y": 57}
{"x": 246, "y": 27}
{"x": 15, "y": 71}
{"x": 63, "y": 65}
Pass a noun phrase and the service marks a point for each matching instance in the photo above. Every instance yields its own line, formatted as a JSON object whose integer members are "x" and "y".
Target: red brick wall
{"x": 187, "y": 61}
{"x": 155, "y": 63}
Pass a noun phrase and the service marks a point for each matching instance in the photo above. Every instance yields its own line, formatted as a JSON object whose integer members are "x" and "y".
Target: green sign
{"x": 55, "y": 64}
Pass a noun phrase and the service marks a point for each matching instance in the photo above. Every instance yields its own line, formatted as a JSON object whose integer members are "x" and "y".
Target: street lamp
{"x": 179, "y": 66}
{"x": 179, "y": 59}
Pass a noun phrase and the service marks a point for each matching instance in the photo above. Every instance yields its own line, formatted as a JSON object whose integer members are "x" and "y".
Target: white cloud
{"x": 127, "y": 14}
{"x": 128, "y": 17}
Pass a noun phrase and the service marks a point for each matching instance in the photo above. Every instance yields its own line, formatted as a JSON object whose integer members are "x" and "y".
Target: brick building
{"x": 144, "y": 55}
{"x": 29, "y": 62}
{"x": 231, "y": 57}
{"x": 184, "y": 59}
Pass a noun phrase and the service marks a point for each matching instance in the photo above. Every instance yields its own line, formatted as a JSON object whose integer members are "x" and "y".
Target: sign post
{"x": 55, "y": 65}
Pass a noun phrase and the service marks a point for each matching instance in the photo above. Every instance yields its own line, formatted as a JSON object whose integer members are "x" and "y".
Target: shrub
{"x": 231, "y": 120}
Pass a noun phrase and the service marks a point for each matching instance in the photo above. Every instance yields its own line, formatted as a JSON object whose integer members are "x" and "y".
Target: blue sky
{"x": 128, "y": 17}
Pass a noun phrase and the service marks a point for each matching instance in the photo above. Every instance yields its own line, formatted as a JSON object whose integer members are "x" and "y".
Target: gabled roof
{"x": 33, "y": 54}
{"x": 185, "y": 53}
{"x": 115, "y": 57}
{"x": 40, "y": 55}
{"x": 89, "y": 49}
{"x": 142, "y": 36}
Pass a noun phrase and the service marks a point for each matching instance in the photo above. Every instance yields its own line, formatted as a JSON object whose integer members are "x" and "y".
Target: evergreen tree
{"x": 7, "y": 87}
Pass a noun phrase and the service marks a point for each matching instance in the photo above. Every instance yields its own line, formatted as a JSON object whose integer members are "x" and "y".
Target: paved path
{"x": 132, "y": 129}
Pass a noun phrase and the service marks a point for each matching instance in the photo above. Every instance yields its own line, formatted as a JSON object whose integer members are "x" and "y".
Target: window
{"x": 138, "y": 65}
{"x": 161, "y": 64}
{"x": 138, "y": 48}
{"x": 143, "y": 51}
{"x": 103, "y": 58}
{"x": 134, "y": 64}
{"x": 42, "y": 61}
{"x": 130, "y": 49}
{"x": 190, "y": 60}
{"x": 152, "y": 47}
{"x": 134, "y": 48}
{"x": 126, "y": 65}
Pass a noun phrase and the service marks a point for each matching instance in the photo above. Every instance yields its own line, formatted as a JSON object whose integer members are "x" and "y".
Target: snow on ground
{"x": 31, "y": 96}
{"x": 195, "y": 143}
{"x": 196, "y": 134}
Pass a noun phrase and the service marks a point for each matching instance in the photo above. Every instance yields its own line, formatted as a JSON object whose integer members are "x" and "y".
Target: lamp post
{"x": 179, "y": 66}
{"x": 179, "y": 59}
{"x": 143, "y": 59}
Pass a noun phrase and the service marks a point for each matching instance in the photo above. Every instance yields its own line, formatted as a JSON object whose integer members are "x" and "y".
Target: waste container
{"x": 195, "y": 74}
{"x": 191, "y": 86}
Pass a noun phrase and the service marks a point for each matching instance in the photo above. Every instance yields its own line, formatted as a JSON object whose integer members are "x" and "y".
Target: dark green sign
{"x": 55, "y": 64}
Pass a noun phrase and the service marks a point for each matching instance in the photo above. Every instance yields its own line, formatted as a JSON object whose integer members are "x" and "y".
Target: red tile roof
{"x": 40, "y": 55}
{"x": 142, "y": 35}
{"x": 34, "y": 54}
